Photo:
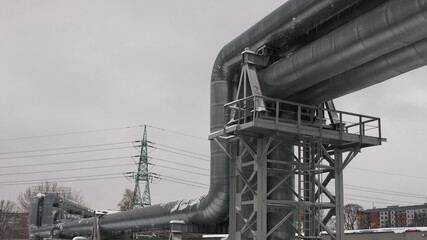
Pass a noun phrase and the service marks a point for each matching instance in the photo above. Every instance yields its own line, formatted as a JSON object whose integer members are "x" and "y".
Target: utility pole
{"x": 140, "y": 200}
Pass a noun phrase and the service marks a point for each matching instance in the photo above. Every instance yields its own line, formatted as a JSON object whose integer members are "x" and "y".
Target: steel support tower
{"x": 284, "y": 157}
{"x": 142, "y": 176}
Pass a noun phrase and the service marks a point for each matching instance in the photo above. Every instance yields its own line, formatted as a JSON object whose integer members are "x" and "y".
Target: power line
{"x": 60, "y": 178}
{"x": 384, "y": 192}
{"x": 68, "y": 169}
{"x": 99, "y": 159}
{"x": 182, "y": 170}
{"x": 68, "y": 133}
{"x": 367, "y": 201}
{"x": 64, "y": 153}
{"x": 99, "y": 177}
{"x": 100, "y": 130}
{"x": 389, "y": 173}
{"x": 370, "y": 197}
{"x": 184, "y": 180}
{"x": 65, "y": 162}
{"x": 182, "y": 150}
{"x": 97, "y": 167}
{"x": 182, "y": 154}
{"x": 176, "y": 132}
{"x": 188, "y": 184}
{"x": 181, "y": 164}
{"x": 63, "y": 148}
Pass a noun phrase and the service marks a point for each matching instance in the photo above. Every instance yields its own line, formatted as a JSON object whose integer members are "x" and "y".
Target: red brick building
{"x": 373, "y": 218}
{"x": 17, "y": 226}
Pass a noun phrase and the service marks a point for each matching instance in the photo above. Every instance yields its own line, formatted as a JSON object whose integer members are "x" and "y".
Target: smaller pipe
{"x": 33, "y": 219}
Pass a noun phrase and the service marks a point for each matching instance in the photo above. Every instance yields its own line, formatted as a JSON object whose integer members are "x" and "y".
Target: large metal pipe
{"x": 284, "y": 25}
{"x": 289, "y": 21}
{"x": 385, "y": 67}
{"x": 391, "y": 26}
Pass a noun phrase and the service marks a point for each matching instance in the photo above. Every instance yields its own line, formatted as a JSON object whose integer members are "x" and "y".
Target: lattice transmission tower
{"x": 142, "y": 176}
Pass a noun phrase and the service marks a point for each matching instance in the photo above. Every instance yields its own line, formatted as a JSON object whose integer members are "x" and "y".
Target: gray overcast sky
{"x": 68, "y": 66}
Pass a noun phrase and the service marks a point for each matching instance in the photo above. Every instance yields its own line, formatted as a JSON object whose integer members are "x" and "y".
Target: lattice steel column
{"x": 259, "y": 208}
{"x": 265, "y": 203}
{"x": 288, "y": 143}
{"x": 142, "y": 199}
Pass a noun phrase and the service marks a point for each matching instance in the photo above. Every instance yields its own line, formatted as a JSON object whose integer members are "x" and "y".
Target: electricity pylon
{"x": 140, "y": 200}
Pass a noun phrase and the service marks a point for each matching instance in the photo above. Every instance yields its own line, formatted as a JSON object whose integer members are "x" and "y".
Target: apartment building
{"x": 396, "y": 216}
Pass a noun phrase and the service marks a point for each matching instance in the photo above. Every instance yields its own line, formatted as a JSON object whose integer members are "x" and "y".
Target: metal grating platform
{"x": 294, "y": 120}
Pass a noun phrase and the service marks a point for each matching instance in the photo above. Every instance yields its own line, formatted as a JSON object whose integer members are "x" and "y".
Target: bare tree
{"x": 351, "y": 213}
{"x": 420, "y": 219}
{"x": 7, "y": 208}
{"x": 126, "y": 202}
{"x": 363, "y": 220}
{"x": 24, "y": 199}
{"x": 332, "y": 223}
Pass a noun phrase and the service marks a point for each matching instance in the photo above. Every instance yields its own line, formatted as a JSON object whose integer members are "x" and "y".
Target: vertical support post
{"x": 312, "y": 177}
{"x": 261, "y": 198}
{"x": 96, "y": 234}
{"x": 306, "y": 161}
{"x": 339, "y": 195}
{"x": 237, "y": 205}
{"x": 299, "y": 215}
{"x": 52, "y": 232}
{"x": 361, "y": 130}
{"x": 341, "y": 126}
{"x": 232, "y": 226}
{"x": 176, "y": 230}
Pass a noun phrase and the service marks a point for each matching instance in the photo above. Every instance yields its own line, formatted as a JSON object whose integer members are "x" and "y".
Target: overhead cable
{"x": 176, "y": 132}
{"x": 182, "y": 154}
{"x": 389, "y": 173}
{"x": 65, "y": 162}
{"x": 63, "y": 148}
{"x": 97, "y": 167}
{"x": 370, "y": 197}
{"x": 69, "y": 133}
{"x": 64, "y": 153}
{"x": 174, "y": 148}
{"x": 179, "y": 163}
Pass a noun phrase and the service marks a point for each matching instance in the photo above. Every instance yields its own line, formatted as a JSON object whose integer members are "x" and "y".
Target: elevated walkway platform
{"x": 293, "y": 120}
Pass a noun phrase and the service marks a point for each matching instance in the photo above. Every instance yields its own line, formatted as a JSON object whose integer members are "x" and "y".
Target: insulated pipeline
{"x": 373, "y": 72}
{"x": 286, "y": 24}
{"x": 393, "y": 25}
{"x": 289, "y": 21}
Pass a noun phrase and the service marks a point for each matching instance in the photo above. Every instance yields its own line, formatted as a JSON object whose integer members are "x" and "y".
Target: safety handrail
{"x": 243, "y": 111}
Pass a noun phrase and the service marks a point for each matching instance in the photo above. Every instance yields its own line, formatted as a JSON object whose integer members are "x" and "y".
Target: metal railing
{"x": 245, "y": 110}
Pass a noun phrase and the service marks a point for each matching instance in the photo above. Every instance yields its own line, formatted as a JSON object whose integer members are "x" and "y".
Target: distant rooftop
{"x": 384, "y": 230}
{"x": 397, "y": 207}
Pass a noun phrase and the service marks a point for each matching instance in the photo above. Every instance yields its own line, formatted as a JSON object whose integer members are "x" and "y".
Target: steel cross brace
{"x": 250, "y": 166}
